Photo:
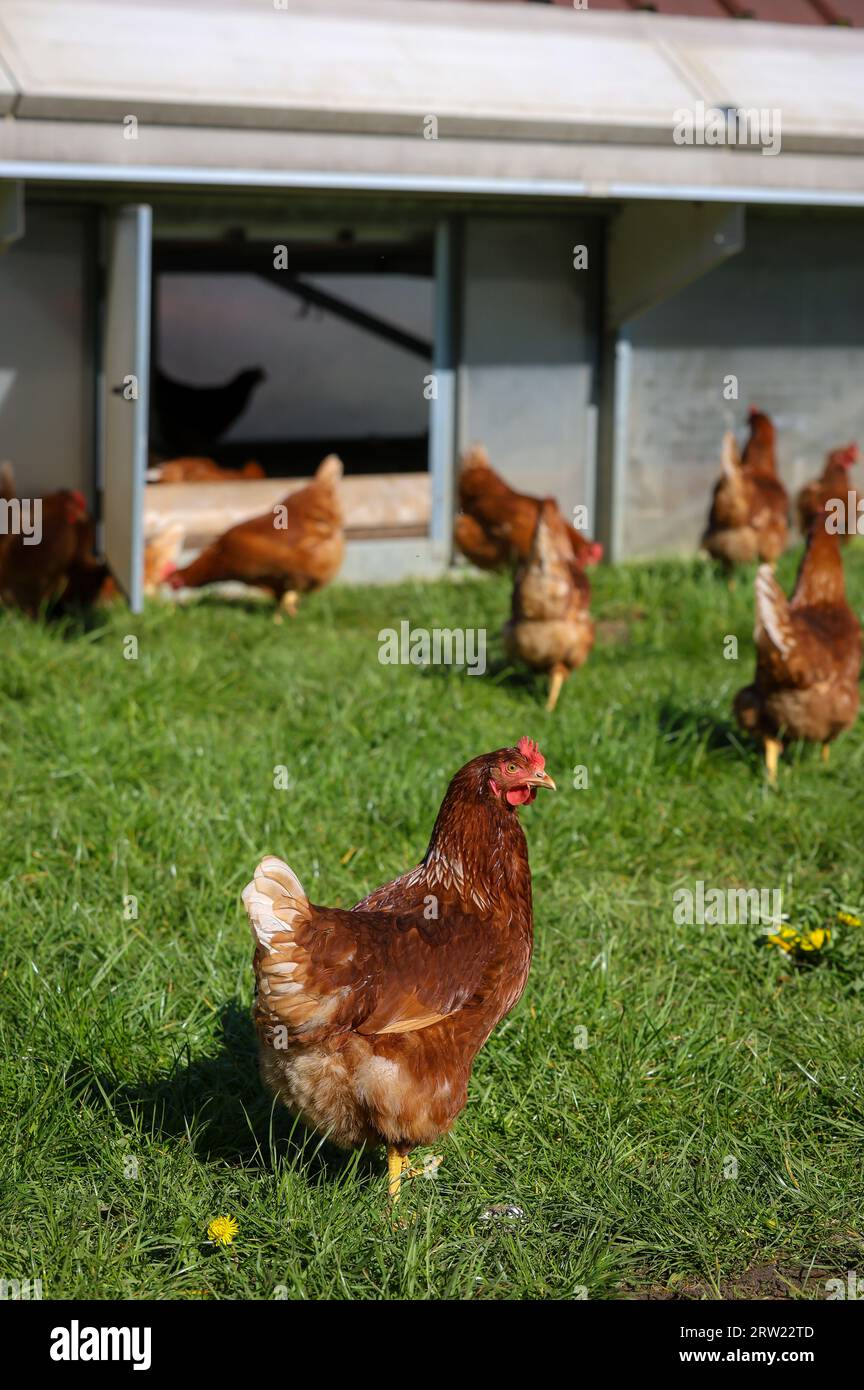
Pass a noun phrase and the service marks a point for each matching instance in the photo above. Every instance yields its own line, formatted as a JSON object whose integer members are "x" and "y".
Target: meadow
{"x": 671, "y": 1110}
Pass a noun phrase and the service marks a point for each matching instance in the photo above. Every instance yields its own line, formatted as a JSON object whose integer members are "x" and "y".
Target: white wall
{"x": 46, "y": 359}
{"x": 529, "y": 324}
{"x": 786, "y": 316}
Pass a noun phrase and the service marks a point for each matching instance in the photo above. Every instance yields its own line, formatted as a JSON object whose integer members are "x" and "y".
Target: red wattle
{"x": 517, "y": 796}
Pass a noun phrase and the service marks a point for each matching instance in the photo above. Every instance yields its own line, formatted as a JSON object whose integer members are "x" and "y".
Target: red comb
{"x": 753, "y": 410}
{"x": 528, "y": 748}
{"x": 75, "y": 507}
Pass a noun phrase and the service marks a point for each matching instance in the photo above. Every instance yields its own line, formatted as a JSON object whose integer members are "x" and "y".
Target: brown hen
{"x": 749, "y": 511}
{"x": 550, "y": 627}
{"x": 293, "y": 549}
{"x": 833, "y": 484}
{"x": 369, "y": 1020}
{"x": 34, "y": 575}
{"x": 808, "y": 654}
{"x": 495, "y": 528}
{"x": 202, "y": 470}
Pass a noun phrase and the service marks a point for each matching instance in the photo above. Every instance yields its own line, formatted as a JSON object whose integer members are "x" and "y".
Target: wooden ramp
{"x": 378, "y": 506}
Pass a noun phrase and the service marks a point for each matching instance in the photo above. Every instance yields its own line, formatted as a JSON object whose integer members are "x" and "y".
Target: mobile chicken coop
{"x": 429, "y": 223}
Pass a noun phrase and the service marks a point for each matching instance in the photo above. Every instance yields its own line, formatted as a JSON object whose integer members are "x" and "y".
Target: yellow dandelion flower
{"x": 848, "y": 919}
{"x": 814, "y": 940}
{"x": 222, "y": 1230}
{"x": 786, "y": 938}
{"x": 794, "y": 942}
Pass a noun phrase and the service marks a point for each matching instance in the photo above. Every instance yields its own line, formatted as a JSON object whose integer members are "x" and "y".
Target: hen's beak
{"x": 541, "y": 779}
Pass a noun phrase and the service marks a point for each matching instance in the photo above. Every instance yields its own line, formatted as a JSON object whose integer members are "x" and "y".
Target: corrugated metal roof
{"x": 518, "y": 91}
{"x": 823, "y": 12}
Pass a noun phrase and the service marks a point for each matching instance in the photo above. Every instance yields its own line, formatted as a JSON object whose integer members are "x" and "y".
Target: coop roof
{"x": 428, "y": 96}
{"x": 846, "y": 12}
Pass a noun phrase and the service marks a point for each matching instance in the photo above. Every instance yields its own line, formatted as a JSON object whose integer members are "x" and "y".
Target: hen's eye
{"x": 511, "y": 767}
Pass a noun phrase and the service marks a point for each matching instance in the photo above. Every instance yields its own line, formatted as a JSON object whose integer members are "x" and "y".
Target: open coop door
{"x": 126, "y": 378}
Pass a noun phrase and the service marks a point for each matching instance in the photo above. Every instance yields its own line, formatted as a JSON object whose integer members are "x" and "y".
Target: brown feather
{"x": 302, "y": 555}
{"x": 369, "y": 1020}
{"x": 496, "y": 526}
{"x": 808, "y": 651}
{"x": 748, "y": 519}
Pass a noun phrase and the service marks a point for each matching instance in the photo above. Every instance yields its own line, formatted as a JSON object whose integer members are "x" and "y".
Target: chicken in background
{"x": 92, "y": 582}
{"x": 750, "y": 508}
{"x": 33, "y": 575}
{"x": 808, "y": 655}
{"x": 302, "y": 554}
{"x": 161, "y": 554}
{"x": 369, "y": 1020}
{"x": 189, "y": 419}
{"x": 7, "y": 494}
{"x": 202, "y": 470}
{"x": 833, "y": 484}
{"x": 496, "y": 525}
{"x": 550, "y": 628}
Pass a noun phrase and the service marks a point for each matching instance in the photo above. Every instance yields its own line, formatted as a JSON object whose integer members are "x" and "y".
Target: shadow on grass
{"x": 71, "y": 621}
{"x": 683, "y": 724}
{"x": 256, "y": 602}
{"x": 499, "y": 672}
{"x": 74, "y": 621}
{"x": 218, "y": 1105}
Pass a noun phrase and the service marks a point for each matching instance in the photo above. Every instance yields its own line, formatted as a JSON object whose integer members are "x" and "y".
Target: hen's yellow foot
{"x": 396, "y": 1166}
{"x": 826, "y": 752}
{"x": 773, "y": 749}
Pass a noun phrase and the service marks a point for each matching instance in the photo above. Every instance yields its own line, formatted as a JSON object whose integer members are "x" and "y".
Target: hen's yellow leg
{"x": 826, "y": 752}
{"x": 288, "y": 603}
{"x": 773, "y": 749}
{"x": 395, "y": 1167}
{"x": 556, "y": 680}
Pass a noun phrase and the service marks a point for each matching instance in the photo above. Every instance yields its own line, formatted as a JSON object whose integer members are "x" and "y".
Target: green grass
{"x": 131, "y": 1110}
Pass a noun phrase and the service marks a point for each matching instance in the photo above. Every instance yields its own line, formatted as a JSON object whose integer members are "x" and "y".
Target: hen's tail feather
{"x": 274, "y": 901}
{"x": 330, "y": 469}
{"x": 730, "y": 456}
{"x": 772, "y": 612}
{"x": 276, "y": 904}
{"x": 476, "y": 456}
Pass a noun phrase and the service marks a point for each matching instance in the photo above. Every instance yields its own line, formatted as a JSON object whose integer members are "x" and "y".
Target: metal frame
{"x": 58, "y": 172}
{"x": 140, "y": 366}
{"x": 443, "y": 407}
{"x": 620, "y": 442}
